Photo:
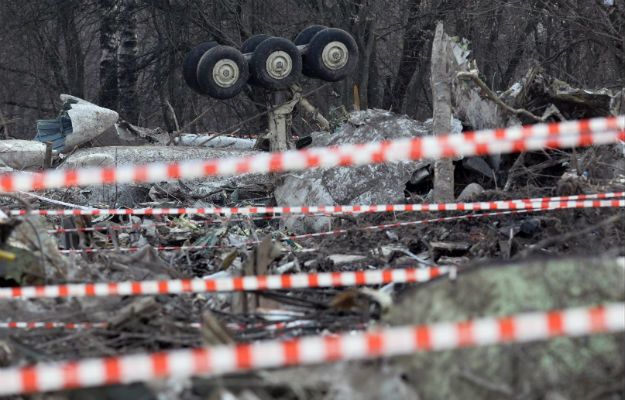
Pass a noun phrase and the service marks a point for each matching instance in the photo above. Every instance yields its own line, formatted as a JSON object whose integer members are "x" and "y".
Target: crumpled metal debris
{"x": 129, "y": 132}
{"x": 79, "y": 122}
{"x": 371, "y": 184}
{"x": 543, "y": 91}
{"x": 221, "y": 142}
{"x": 22, "y": 154}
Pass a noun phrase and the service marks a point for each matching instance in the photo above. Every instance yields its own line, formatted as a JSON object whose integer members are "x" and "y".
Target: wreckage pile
{"x": 198, "y": 237}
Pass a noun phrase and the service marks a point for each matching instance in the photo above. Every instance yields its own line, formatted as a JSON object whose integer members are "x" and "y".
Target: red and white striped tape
{"x": 220, "y": 360}
{"x": 515, "y": 139}
{"x": 52, "y": 325}
{"x": 130, "y": 227}
{"x": 94, "y": 250}
{"x": 32, "y": 325}
{"x": 577, "y": 201}
{"x": 116, "y": 228}
{"x": 236, "y": 284}
{"x": 337, "y": 232}
{"x": 614, "y": 203}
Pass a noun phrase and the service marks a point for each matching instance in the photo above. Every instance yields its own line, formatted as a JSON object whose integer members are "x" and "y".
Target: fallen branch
{"x": 472, "y": 75}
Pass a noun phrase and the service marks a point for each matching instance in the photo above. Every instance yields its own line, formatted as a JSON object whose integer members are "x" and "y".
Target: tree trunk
{"x": 517, "y": 54}
{"x": 366, "y": 55}
{"x": 413, "y": 43}
{"x": 109, "y": 93}
{"x": 416, "y": 38}
{"x": 74, "y": 55}
{"x": 375, "y": 89}
{"x": 363, "y": 30}
{"x": 127, "y": 56}
{"x": 441, "y": 97}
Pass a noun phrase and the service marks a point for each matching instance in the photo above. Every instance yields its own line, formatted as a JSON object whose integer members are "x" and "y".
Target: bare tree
{"x": 109, "y": 90}
{"x": 74, "y": 55}
{"x": 127, "y": 55}
{"x": 90, "y": 48}
{"x": 417, "y": 36}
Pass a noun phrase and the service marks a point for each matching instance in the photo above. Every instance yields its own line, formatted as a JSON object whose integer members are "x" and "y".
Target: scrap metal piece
{"x": 79, "y": 122}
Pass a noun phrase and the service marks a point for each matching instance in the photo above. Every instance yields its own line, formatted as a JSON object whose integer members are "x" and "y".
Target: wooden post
{"x": 356, "y": 98}
{"x": 441, "y": 97}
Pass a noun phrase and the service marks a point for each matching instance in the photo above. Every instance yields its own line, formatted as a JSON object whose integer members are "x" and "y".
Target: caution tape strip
{"x": 197, "y": 224}
{"x": 32, "y": 325}
{"x": 372, "y": 228}
{"x": 544, "y": 202}
{"x": 52, "y": 325}
{"x": 499, "y": 141}
{"x": 220, "y": 360}
{"x": 234, "y": 284}
{"x": 116, "y": 228}
{"x": 611, "y": 204}
{"x": 335, "y": 232}
{"x": 94, "y": 250}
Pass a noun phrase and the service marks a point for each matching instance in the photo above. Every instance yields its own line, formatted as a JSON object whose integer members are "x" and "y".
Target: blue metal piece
{"x": 54, "y": 130}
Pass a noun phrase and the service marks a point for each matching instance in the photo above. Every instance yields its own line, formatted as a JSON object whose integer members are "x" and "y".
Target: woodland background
{"x": 127, "y": 54}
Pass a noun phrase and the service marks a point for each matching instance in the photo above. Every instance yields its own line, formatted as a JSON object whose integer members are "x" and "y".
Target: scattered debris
{"x": 131, "y": 133}
{"x": 221, "y": 142}
{"x": 471, "y": 192}
{"x": 372, "y": 184}
{"x": 340, "y": 260}
{"x": 213, "y": 332}
{"x": 450, "y": 247}
{"x": 226, "y": 246}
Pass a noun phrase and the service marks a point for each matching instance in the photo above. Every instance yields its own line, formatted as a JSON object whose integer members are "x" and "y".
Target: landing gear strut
{"x": 275, "y": 64}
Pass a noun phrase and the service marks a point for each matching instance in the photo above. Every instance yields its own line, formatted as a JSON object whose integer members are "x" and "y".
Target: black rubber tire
{"x": 258, "y": 62}
{"x": 313, "y": 57}
{"x": 303, "y": 38}
{"x": 252, "y": 42}
{"x": 205, "y": 72}
{"x": 249, "y": 46}
{"x": 189, "y": 67}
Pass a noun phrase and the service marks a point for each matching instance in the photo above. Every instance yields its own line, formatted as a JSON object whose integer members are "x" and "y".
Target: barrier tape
{"x": 544, "y": 202}
{"x": 129, "y": 227}
{"x": 387, "y": 342}
{"x": 94, "y": 250}
{"x": 337, "y": 232}
{"x": 52, "y": 325}
{"x": 613, "y": 203}
{"x": 31, "y": 325}
{"x": 499, "y": 141}
{"x": 114, "y": 228}
{"x": 196, "y": 223}
{"x": 234, "y": 284}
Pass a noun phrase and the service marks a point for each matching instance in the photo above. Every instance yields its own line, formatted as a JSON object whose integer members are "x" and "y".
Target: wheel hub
{"x": 226, "y": 73}
{"x": 279, "y": 65}
{"x": 335, "y": 55}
